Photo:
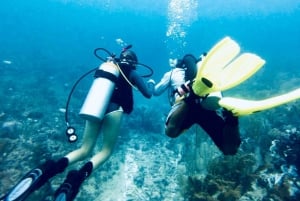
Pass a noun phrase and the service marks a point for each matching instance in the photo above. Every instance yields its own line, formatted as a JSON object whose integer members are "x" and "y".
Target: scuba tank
{"x": 97, "y": 99}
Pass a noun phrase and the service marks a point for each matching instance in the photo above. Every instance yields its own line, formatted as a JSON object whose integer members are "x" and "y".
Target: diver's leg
{"x": 231, "y": 134}
{"x": 222, "y": 129}
{"x": 110, "y": 128}
{"x": 175, "y": 119}
{"x": 91, "y": 132}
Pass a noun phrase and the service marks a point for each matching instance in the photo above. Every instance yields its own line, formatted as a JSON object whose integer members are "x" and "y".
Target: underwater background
{"x": 45, "y": 46}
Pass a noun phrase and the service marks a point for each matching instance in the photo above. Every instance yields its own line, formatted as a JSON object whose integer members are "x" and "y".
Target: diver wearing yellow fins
{"x": 196, "y": 85}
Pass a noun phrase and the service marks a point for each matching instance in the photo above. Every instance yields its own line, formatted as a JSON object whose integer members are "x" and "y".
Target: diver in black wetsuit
{"x": 189, "y": 109}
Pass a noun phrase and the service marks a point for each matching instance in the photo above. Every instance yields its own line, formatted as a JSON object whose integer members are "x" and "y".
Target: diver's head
{"x": 129, "y": 57}
{"x": 176, "y": 63}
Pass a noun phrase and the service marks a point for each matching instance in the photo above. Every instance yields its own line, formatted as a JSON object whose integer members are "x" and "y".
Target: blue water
{"x": 66, "y": 32}
{"x": 51, "y": 42}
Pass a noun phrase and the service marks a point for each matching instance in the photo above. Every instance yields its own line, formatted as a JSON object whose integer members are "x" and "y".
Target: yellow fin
{"x": 240, "y": 107}
{"x": 238, "y": 71}
{"x": 218, "y": 57}
{"x": 222, "y": 69}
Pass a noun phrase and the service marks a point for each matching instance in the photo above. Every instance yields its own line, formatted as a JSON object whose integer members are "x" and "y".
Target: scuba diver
{"x": 189, "y": 108}
{"x": 196, "y": 86}
{"x": 110, "y": 96}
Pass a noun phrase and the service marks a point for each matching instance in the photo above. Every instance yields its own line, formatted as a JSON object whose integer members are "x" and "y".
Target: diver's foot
{"x": 34, "y": 179}
{"x": 69, "y": 189}
{"x": 25, "y": 186}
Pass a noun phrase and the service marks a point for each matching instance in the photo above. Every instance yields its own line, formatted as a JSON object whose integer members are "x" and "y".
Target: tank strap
{"x": 105, "y": 74}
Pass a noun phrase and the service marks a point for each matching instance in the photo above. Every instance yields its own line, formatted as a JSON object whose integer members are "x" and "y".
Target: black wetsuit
{"x": 123, "y": 94}
{"x": 220, "y": 125}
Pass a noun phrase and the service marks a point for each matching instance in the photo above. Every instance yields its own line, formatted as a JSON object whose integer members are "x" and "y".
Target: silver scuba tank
{"x": 96, "y": 102}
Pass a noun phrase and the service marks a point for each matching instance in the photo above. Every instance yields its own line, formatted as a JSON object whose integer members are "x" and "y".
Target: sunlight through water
{"x": 181, "y": 14}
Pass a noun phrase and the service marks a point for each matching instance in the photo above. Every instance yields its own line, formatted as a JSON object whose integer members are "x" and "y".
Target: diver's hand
{"x": 150, "y": 82}
{"x": 151, "y": 85}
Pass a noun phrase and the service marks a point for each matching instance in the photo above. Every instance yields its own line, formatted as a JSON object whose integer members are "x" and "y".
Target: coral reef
{"x": 227, "y": 179}
{"x": 272, "y": 170}
{"x": 146, "y": 165}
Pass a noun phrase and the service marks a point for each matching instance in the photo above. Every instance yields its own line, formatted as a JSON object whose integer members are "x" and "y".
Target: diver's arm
{"x": 162, "y": 85}
{"x": 145, "y": 88}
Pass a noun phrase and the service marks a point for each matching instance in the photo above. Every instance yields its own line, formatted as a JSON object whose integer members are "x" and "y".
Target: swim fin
{"x": 221, "y": 70}
{"x": 218, "y": 57}
{"x": 240, "y": 107}
{"x": 70, "y": 188}
{"x": 35, "y": 178}
{"x": 26, "y": 185}
{"x": 238, "y": 71}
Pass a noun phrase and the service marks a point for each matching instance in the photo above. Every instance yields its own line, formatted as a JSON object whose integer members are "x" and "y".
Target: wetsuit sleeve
{"x": 142, "y": 86}
{"x": 162, "y": 85}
